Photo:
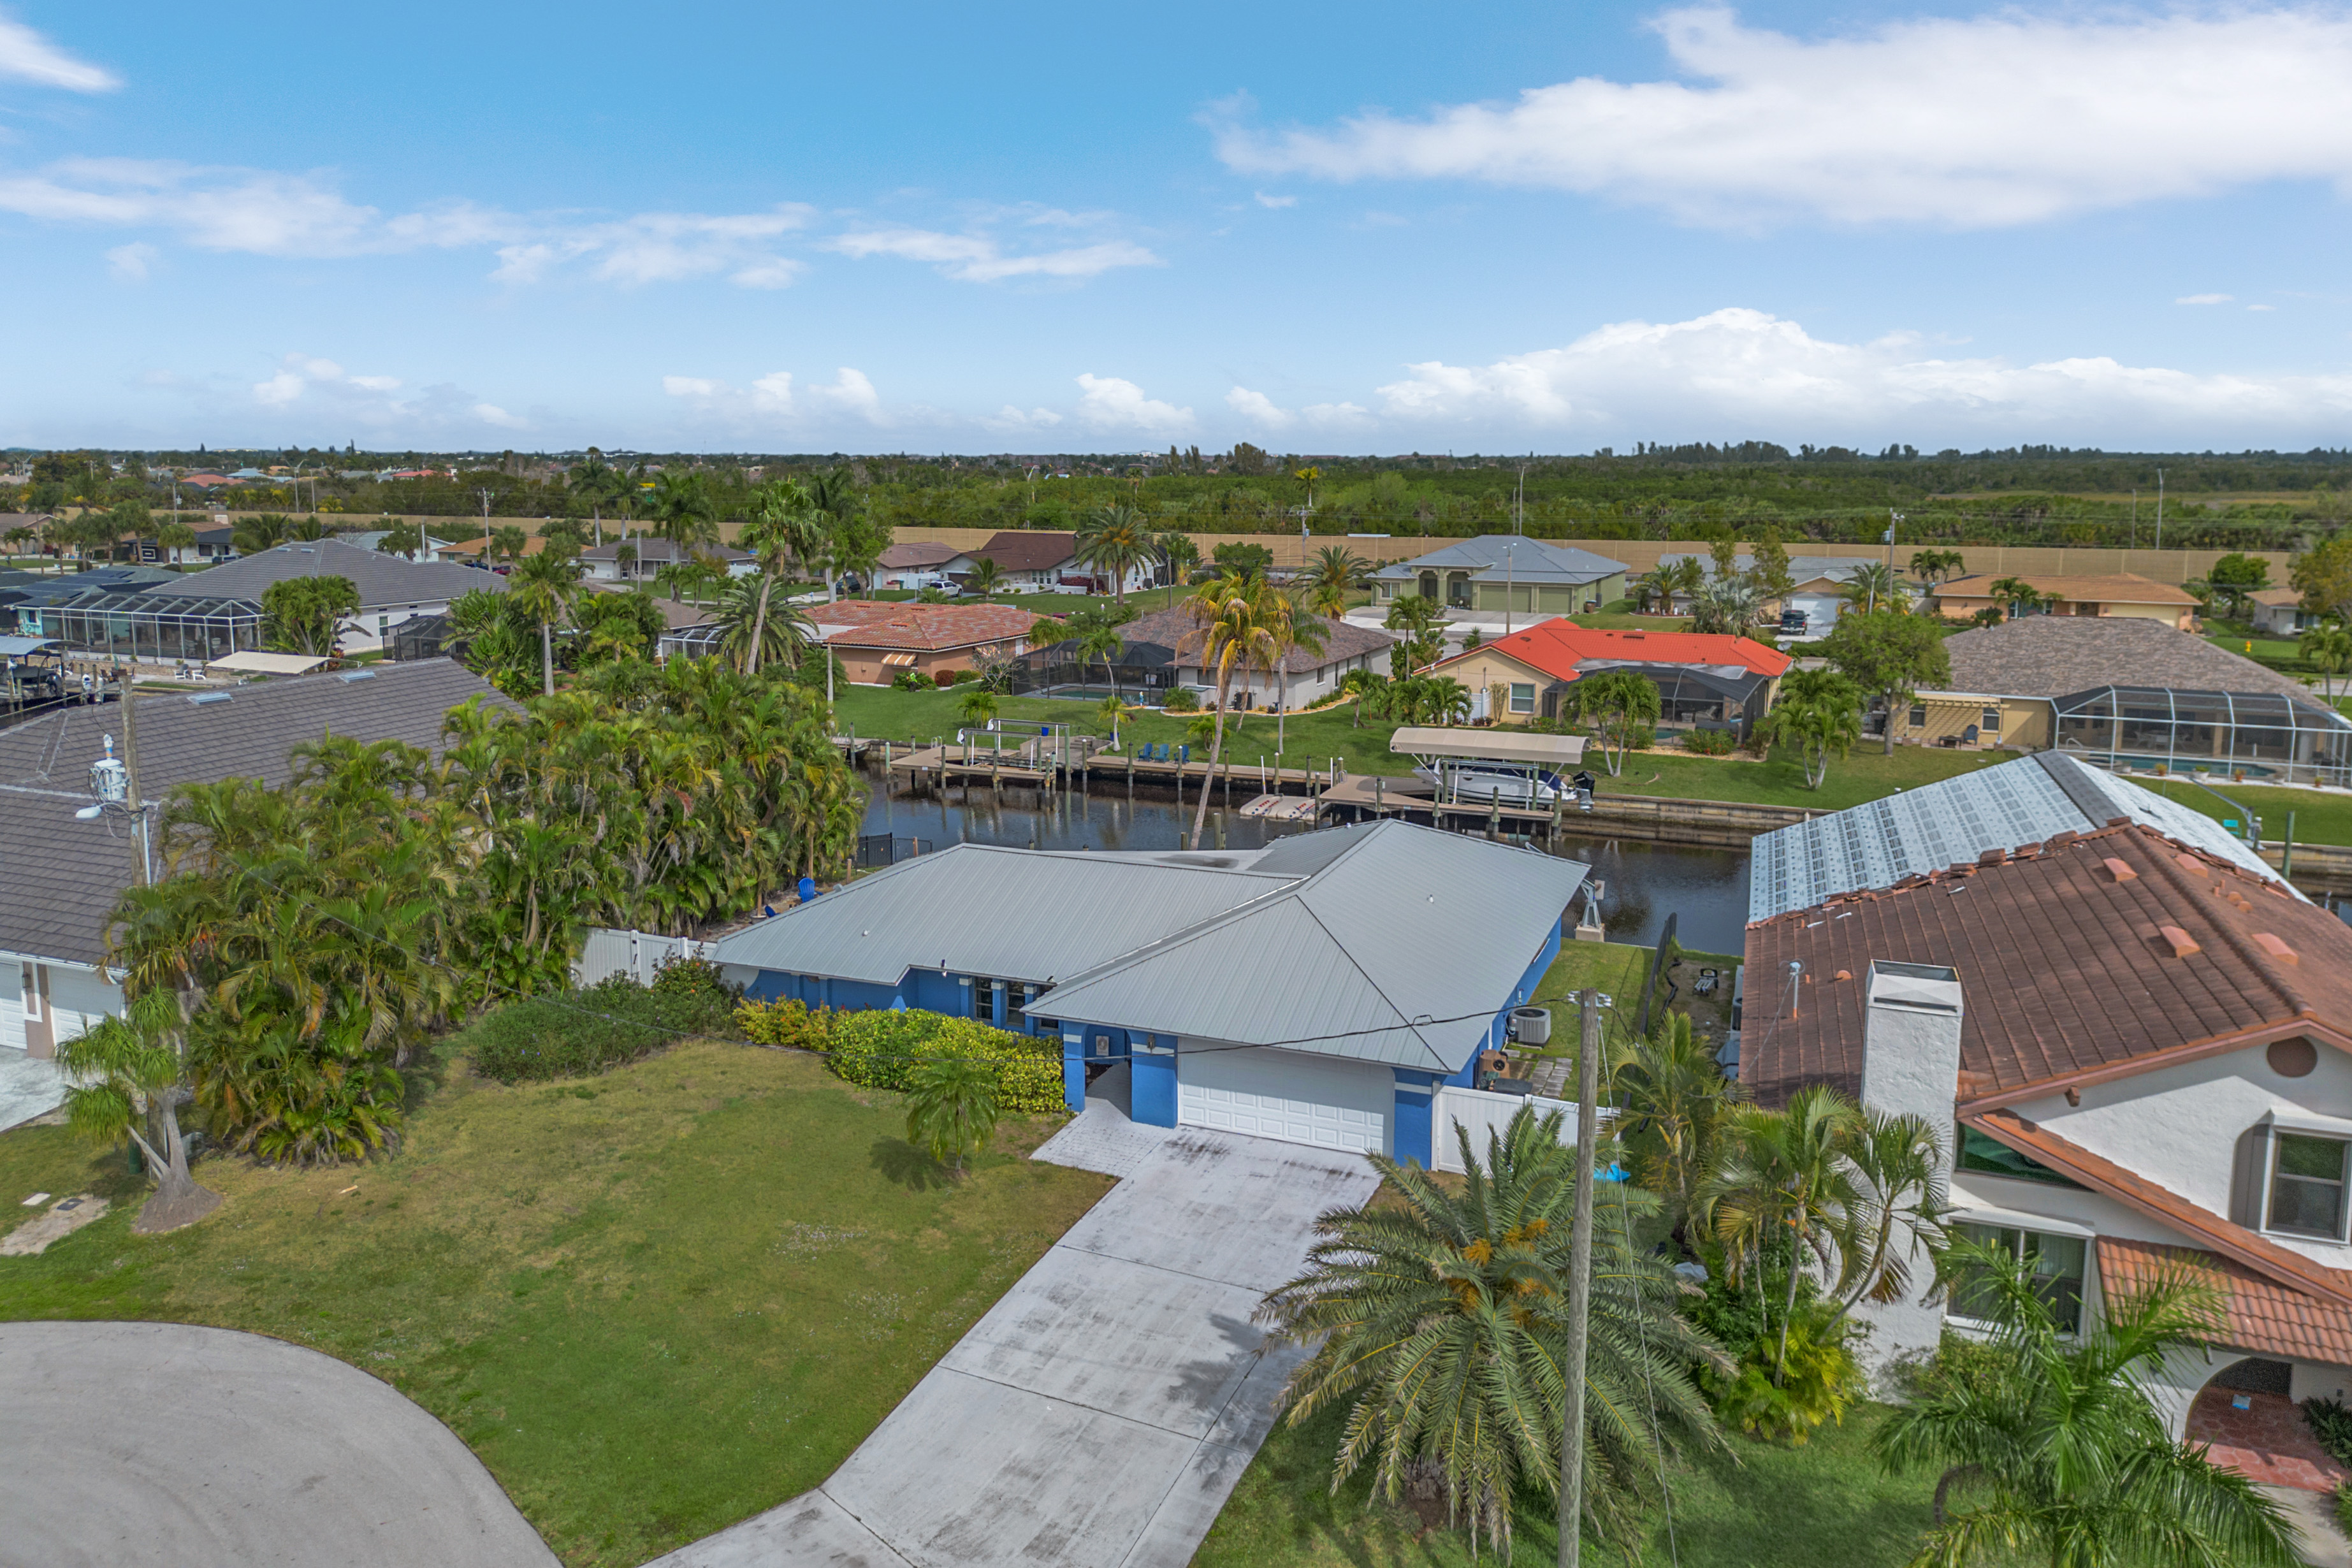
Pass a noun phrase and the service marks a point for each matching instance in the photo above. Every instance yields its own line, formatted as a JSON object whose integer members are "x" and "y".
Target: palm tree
{"x": 757, "y": 632}
{"x": 176, "y": 536}
{"x": 1932, "y": 566}
{"x": 599, "y": 484}
{"x": 402, "y": 539}
{"x": 1673, "y": 1103}
{"x": 1114, "y": 540}
{"x": 1295, "y": 627}
{"x": 682, "y": 510}
{"x": 1099, "y": 639}
{"x": 1177, "y": 549}
{"x": 952, "y": 1107}
{"x": 2327, "y": 648}
{"x": 784, "y": 525}
{"x": 1367, "y": 687}
{"x": 17, "y": 538}
{"x": 507, "y": 543}
{"x": 1236, "y": 616}
{"x": 1685, "y": 578}
{"x": 2057, "y": 1448}
{"x": 1784, "y": 1175}
{"x": 1874, "y": 585}
{"x": 1818, "y": 713}
{"x": 1438, "y": 1315}
{"x": 1725, "y": 604}
{"x": 1111, "y": 711}
{"x": 1337, "y": 572}
{"x": 984, "y": 578}
{"x": 1619, "y": 705}
{"x": 2022, "y": 598}
{"x": 254, "y": 534}
{"x": 130, "y": 1070}
{"x": 542, "y": 589}
{"x": 978, "y": 708}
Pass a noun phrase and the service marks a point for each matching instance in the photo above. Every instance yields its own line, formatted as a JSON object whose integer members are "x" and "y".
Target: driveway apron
{"x": 1100, "y": 1413}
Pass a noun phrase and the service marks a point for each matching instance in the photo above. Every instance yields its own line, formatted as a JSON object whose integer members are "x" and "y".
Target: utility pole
{"x": 1580, "y": 1282}
{"x": 1510, "y": 566}
{"x": 2159, "y": 509}
{"x": 485, "y": 493}
{"x": 1519, "y": 503}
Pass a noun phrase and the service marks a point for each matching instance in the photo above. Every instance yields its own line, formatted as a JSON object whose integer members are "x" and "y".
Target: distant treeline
{"x": 2028, "y": 495}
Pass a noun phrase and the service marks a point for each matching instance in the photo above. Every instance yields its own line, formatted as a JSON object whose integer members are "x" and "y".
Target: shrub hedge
{"x": 572, "y": 1034}
{"x": 880, "y": 1049}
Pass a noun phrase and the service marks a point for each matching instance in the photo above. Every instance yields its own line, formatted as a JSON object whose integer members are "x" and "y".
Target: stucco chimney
{"x": 1910, "y": 1066}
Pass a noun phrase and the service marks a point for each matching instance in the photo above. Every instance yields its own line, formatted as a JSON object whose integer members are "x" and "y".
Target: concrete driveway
{"x": 1101, "y": 1412}
{"x": 135, "y": 1443}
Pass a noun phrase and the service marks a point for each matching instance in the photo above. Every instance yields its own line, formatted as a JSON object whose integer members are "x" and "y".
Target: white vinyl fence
{"x": 1485, "y": 1116}
{"x": 639, "y": 954}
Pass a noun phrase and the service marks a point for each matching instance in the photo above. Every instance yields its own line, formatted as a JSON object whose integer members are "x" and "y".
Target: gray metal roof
{"x": 1529, "y": 561}
{"x": 979, "y": 908}
{"x": 381, "y": 579}
{"x": 15, "y": 647}
{"x": 59, "y": 878}
{"x": 1953, "y": 821}
{"x": 1398, "y": 950}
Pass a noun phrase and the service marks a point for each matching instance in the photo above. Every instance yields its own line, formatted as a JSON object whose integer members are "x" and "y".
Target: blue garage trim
{"x": 1074, "y": 1069}
{"x": 1410, "y": 1127}
{"x": 1151, "y": 1092}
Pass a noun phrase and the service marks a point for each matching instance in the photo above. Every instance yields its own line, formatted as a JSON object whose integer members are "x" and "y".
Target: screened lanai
{"x": 160, "y": 629}
{"x": 2261, "y": 733}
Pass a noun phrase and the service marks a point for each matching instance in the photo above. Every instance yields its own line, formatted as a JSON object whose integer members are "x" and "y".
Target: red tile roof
{"x": 2068, "y": 972}
{"x": 1556, "y": 647}
{"x": 2262, "y": 1314}
{"x": 926, "y": 628}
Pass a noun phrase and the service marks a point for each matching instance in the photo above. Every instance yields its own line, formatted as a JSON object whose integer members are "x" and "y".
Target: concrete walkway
{"x": 137, "y": 1444}
{"x": 30, "y": 1087}
{"x": 1099, "y": 1415}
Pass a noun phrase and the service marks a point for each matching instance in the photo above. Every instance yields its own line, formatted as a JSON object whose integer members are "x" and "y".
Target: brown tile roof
{"x": 2281, "y": 598}
{"x": 1019, "y": 550}
{"x": 1177, "y": 631}
{"x": 2099, "y": 1173}
{"x": 904, "y": 557}
{"x": 2262, "y": 1314}
{"x": 2056, "y": 656}
{"x": 926, "y": 628}
{"x": 2115, "y": 589}
{"x": 2067, "y": 969}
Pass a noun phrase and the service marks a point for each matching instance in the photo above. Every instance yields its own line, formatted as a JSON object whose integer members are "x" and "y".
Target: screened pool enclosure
{"x": 2260, "y": 733}
{"x": 159, "y": 628}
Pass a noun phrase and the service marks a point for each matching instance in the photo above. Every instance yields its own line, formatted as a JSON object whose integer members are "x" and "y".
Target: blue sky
{"x": 1375, "y": 227}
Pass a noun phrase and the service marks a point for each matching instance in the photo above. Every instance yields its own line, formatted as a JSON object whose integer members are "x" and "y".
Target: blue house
{"x": 1317, "y": 990}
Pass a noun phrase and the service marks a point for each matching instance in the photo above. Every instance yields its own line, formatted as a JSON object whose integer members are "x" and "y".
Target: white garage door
{"x": 1820, "y": 610}
{"x": 1283, "y": 1094}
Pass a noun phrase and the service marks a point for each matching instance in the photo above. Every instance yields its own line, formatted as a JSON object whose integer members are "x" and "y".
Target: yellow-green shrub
{"x": 786, "y": 1022}
{"x": 880, "y": 1049}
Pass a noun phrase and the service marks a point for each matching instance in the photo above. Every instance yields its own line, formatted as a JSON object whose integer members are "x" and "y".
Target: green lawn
{"x": 1825, "y": 1505}
{"x": 654, "y": 1302}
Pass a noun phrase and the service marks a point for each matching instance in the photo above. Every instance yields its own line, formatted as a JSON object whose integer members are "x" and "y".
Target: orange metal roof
{"x": 1556, "y": 647}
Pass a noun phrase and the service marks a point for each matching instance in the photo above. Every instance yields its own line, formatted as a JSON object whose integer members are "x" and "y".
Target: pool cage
{"x": 1141, "y": 672}
{"x": 2261, "y": 734}
{"x": 158, "y": 628}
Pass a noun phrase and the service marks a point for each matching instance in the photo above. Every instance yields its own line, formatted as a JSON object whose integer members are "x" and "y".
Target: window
{"x": 1918, "y": 715}
{"x": 2057, "y": 1263}
{"x": 1994, "y": 1158}
{"x": 1523, "y": 696}
{"x": 2307, "y": 1185}
{"x": 1989, "y": 721}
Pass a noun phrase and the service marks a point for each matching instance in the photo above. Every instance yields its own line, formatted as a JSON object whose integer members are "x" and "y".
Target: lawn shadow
{"x": 903, "y": 1164}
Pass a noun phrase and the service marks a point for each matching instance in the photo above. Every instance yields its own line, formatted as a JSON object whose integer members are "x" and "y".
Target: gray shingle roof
{"x": 381, "y": 579}
{"x": 59, "y": 878}
{"x": 1530, "y": 561}
{"x": 1953, "y": 821}
{"x": 1177, "y": 632}
{"x": 2056, "y": 656}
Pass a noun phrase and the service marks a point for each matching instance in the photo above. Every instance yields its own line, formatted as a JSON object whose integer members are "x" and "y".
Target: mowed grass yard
{"x": 654, "y": 1302}
{"x": 1824, "y": 1505}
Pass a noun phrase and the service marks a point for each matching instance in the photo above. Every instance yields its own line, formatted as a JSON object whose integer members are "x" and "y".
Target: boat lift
{"x": 33, "y": 674}
{"x": 1508, "y": 767}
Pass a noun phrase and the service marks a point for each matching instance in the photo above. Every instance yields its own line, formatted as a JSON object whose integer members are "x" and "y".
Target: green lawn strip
{"x": 1765, "y": 1506}
{"x": 2318, "y": 818}
{"x": 654, "y": 1303}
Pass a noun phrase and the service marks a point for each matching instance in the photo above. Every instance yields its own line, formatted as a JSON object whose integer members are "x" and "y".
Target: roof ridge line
{"x": 1378, "y": 990}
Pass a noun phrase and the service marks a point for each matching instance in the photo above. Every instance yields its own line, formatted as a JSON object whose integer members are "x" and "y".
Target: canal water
{"x": 1643, "y": 882}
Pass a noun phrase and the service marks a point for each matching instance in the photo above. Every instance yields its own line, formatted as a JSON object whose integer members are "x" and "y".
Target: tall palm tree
{"x": 542, "y": 589}
{"x": 985, "y": 577}
{"x": 1176, "y": 547}
{"x": 758, "y": 633}
{"x": 599, "y": 484}
{"x": 176, "y": 536}
{"x": 2327, "y": 648}
{"x": 1439, "y": 1317}
{"x": 1114, "y": 540}
{"x": 1237, "y": 616}
{"x": 1335, "y": 573}
{"x": 128, "y": 1072}
{"x": 2056, "y": 1447}
{"x": 1296, "y": 628}
{"x": 1367, "y": 687}
{"x": 1673, "y": 1103}
{"x": 1876, "y": 585}
{"x": 785, "y": 525}
{"x": 1783, "y": 1174}
{"x": 682, "y": 508}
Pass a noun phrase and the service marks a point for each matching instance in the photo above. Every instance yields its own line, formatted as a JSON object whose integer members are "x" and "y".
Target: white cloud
{"x": 1110, "y": 403}
{"x": 1261, "y": 413}
{"x": 1259, "y": 409}
{"x": 773, "y": 399}
{"x": 2261, "y": 307}
{"x": 131, "y": 262}
{"x": 492, "y": 414}
{"x": 2203, "y": 299}
{"x": 1745, "y": 370}
{"x": 1011, "y": 421}
{"x": 1979, "y": 122}
{"x": 28, "y": 57}
{"x": 1277, "y": 202}
{"x": 322, "y": 388}
{"x": 979, "y": 259}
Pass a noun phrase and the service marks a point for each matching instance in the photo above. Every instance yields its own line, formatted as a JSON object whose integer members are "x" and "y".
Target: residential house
{"x": 1705, "y": 680}
{"x": 648, "y": 556}
{"x": 910, "y": 567}
{"x": 2279, "y": 612}
{"x": 1274, "y": 992}
{"x": 473, "y": 549}
{"x": 63, "y": 874}
{"x": 878, "y": 641}
{"x": 2138, "y": 1053}
{"x": 1162, "y": 650}
{"x": 2129, "y": 692}
{"x": 1032, "y": 561}
{"x": 2120, "y": 595}
{"x": 1817, "y": 592}
{"x": 1500, "y": 573}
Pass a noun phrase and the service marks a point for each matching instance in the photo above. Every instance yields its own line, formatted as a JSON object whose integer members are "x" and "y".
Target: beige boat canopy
{"x": 1424, "y": 742}
{"x": 251, "y": 661}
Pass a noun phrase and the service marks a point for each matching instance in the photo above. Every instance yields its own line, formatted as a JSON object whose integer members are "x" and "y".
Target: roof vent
{"x": 2275, "y": 948}
{"x": 2183, "y": 944}
{"x": 205, "y": 699}
{"x": 349, "y": 675}
{"x": 2118, "y": 870}
{"x": 2191, "y": 863}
